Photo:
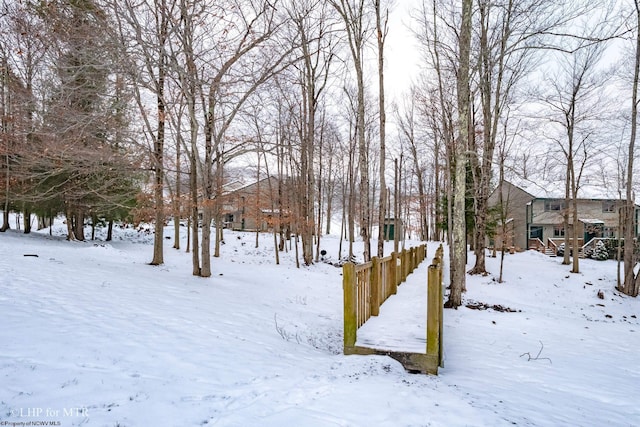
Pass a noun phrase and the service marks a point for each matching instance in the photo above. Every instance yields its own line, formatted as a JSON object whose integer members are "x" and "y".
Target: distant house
{"x": 252, "y": 206}
{"x": 535, "y": 211}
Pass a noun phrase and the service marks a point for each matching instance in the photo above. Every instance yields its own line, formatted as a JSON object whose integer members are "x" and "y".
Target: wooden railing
{"x": 555, "y": 242}
{"x": 536, "y": 244}
{"x": 367, "y": 286}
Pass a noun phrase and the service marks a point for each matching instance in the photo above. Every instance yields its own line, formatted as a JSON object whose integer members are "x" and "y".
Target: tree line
{"x": 114, "y": 109}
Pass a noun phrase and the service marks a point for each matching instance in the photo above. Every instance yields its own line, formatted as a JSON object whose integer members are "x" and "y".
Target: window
{"x": 558, "y": 231}
{"x": 608, "y": 206}
{"x": 553, "y": 205}
{"x": 609, "y": 231}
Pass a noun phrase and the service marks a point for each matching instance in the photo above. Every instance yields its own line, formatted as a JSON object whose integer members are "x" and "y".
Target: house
{"x": 534, "y": 213}
{"x": 252, "y": 206}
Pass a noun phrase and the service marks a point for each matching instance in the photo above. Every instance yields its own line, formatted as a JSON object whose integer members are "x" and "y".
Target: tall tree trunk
{"x": 396, "y": 206}
{"x": 188, "y": 248}
{"x": 503, "y": 216}
{"x": 631, "y": 285}
{"x": 177, "y": 195}
{"x": 78, "y": 223}
{"x": 27, "y": 223}
{"x": 193, "y": 183}
{"x": 5, "y": 210}
{"x": 381, "y": 30}
{"x": 5, "y": 219}
{"x": 492, "y": 101}
{"x": 329, "y": 195}
{"x": 218, "y": 207}
{"x": 205, "y": 270}
{"x": 318, "y": 229}
{"x": 565, "y": 215}
{"x": 574, "y": 201}
{"x": 351, "y": 218}
{"x": 459, "y": 247}
{"x": 258, "y": 206}
{"x": 343, "y": 225}
{"x": 158, "y": 154}
{"x": 4, "y": 130}
{"x": 447, "y": 135}
{"x": 70, "y": 232}
{"x": 363, "y": 162}
{"x": 435, "y": 233}
{"x": 353, "y": 16}
{"x": 306, "y": 186}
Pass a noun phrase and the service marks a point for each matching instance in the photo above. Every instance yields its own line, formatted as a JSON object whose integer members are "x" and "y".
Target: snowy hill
{"x": 92, "y": 335}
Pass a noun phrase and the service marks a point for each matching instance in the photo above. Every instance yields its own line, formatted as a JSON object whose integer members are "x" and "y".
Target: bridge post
{"x": 376, "y": 298}
{"x": 405, "y": 264}
{"x": 433, "y": 310}
{"x": 439, "y": 262}
{"x": 350, "y": 311}
{"x": 394, "y": 273}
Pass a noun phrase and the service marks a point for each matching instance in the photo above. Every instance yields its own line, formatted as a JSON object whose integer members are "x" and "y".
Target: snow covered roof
{"x": 240, "y": 185}
{"x": 591, "y": 221}
{"x": 589, "y": 189}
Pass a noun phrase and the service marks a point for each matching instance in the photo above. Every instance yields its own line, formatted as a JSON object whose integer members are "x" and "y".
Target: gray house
{"x": 535, "y": 215}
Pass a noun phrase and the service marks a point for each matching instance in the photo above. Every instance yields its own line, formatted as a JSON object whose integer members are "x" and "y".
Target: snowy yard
{"x": 92, "y": 335}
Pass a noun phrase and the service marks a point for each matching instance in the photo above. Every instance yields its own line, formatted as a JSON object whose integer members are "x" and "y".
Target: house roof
{"x": 591, "y": 221}
{"x": 545, "y": 189}
{"x": 238, "y": 185}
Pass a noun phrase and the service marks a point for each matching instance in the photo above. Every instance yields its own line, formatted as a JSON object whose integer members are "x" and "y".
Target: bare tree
{"x": 381, "y": 35}
{"x": 509, "y": 35}
{"x": 631, "y": 285}
{"x": 354, "y": 17}
{"x": 459, "y": 246}
{"x": 313, "y": 23}
{"x": 439, "y": 40}
{"x": 225, "y": 65}
{"x": 407, "y": 124}
{"x": 573, "y": 101}
{"x": 145, "y": 26}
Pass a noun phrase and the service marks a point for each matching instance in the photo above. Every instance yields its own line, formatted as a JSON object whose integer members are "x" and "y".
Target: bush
{"x": 588, "y": 252}
{"x": 600, "y": 251}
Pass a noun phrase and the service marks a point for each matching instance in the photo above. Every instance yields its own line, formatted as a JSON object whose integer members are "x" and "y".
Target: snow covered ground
{"x": 92, "y": 335}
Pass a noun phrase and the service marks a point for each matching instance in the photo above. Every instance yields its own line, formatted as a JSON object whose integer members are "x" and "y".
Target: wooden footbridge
{"x": 367, "y": 286}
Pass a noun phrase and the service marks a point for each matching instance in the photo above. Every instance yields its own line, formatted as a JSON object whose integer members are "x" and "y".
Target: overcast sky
{"x": 402, "y": 56}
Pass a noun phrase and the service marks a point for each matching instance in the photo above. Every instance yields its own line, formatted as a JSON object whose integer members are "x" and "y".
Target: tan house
{"x": 251, "y": 207}
{"x": 535, "y": 216}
